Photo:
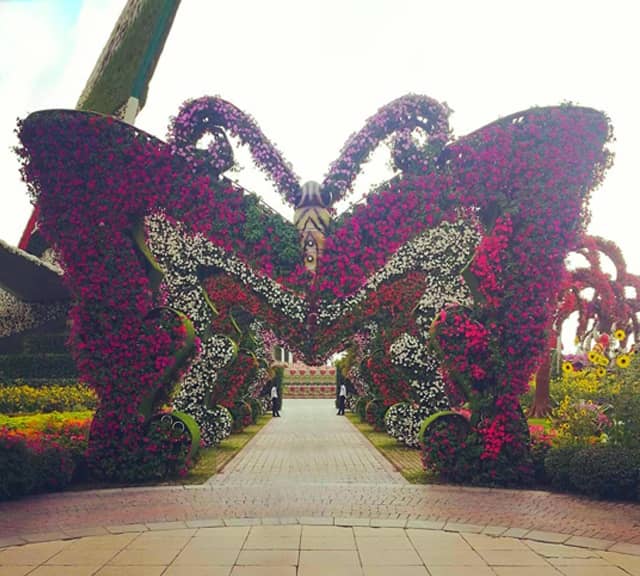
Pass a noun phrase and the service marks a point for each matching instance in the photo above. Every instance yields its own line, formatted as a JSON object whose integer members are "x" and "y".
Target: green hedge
{"x": 28, "y": 366}
{"x": 601, "y": 470}
{"x": 46, "y": 344}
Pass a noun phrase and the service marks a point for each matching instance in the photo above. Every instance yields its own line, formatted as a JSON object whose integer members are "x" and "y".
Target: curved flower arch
{"x": 521, "y": 184}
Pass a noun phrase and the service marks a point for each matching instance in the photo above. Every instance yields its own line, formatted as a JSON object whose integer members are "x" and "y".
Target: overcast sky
{"x": 312, "y": 72}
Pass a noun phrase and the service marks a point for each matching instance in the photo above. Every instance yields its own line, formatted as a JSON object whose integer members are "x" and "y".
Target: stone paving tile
{"x": 64, "y": 571}
{"x": 312, "y": 570}
{"x": 629, "y": 563}
{"x": 592, "y": 571}
{"x": 426, "y": 524}
{"x": 30, "y": 554}
{"x": 387, "y": 557}
{"x": 15, "y": 570}
{"x": 525, "y": 571}
{"x": 554, "y": 537}
{"x": 193, "y": 571}
{"x": 329, "y": 558}
{"x": 460, "y": 571}
{"x": 264, "y": 570}
{"x": 268, "y": 558}
{"x": 512, "y": 558}
{"x": 397, "y": 571}
{"x": 484, "y": 542}
{"x": 548, "y": 550}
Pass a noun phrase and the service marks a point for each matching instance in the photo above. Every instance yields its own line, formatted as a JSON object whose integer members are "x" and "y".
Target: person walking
{"x": 275, "y": 411}
{"x": 342, "y": 399}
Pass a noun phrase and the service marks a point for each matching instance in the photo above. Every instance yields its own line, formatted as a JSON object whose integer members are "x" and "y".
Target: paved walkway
{"x": 308, "y": 445}
{"x": 309, "y": 495}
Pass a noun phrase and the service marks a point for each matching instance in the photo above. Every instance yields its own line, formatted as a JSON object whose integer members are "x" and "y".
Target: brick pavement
{"x": 308, "y": 444}
{"x": 280, "y": 474}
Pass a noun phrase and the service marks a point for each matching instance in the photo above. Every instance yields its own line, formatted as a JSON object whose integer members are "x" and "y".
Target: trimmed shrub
{"x": 256, "y": 409}
{"x": 557, "y": 465}
{"x": 46, "y": 343}
{"x": 361, "y": 408}
{"x": 242, "y": 415}
{"x": 444, "y": 439}
{"x": 375, "y": 411}
{"x": 605, "y": 471}
{"x": 17, "y": 476}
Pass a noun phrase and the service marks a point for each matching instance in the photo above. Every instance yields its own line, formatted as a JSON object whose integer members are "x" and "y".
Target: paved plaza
{"x": 309, "y": 495}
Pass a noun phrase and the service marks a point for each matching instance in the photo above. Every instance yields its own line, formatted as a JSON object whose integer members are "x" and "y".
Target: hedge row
{"x": 29, "y": 366}
{"x": 602, "y": 470}
{"x": 46, "y": 344}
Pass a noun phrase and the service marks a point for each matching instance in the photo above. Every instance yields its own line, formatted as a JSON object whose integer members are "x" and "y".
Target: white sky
{"x": 312, "y": 72}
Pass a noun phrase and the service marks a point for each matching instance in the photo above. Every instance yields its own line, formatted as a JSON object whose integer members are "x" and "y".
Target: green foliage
{"x": 242, "y": 415}
{"x": 30, "y": 366}
{"x": 262, "y": 223}
{"x": 444, "y": 439}
{"x": 256, "y": 409}
{"x": 558, "y": 463}
{"x": 605, "y": 471}
{"x": 55, "y": 343}
{"x": 375, "y": 411}
{"x": 17, "y": 476}
{"x": 23, "y": 399}
{"x": 361, "y": 407}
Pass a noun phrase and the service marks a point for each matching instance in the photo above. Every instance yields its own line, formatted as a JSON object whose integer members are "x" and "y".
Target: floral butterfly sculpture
{"x": 140, "y": 223}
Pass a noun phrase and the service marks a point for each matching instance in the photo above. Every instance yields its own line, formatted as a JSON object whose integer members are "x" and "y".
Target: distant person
{"x": 342, "y": 399}
{"x": 274, "y": 401}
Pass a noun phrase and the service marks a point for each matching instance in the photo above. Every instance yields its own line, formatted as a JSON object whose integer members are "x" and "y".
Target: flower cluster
{"x": 402, "y": 422}
{"x": 17, "y": 316}
{"x": 214, "y": 115}
{"x": 402, "y": 116}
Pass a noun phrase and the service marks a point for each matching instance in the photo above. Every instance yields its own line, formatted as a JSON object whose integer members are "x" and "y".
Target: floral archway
{"x": 446, "y": 275}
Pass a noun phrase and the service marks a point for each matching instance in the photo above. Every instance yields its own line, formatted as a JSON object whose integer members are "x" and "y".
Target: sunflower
{"x": 619, "y": 335}
{"x": 601, "y": 371}
{"x": 623, "y": 360}
{"x": 593, "y": 356}
{"x": 567, "y": 367}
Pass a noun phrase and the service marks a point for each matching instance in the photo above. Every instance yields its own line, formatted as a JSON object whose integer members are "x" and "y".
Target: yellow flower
{"x": 601, "y": 371}
{"x": 619, "y": 334}
{"x": 623, "y": 360}
{"x": 567, "y": 367}
{"x": 593, "y": 356}
{"x": 602, "y": 360}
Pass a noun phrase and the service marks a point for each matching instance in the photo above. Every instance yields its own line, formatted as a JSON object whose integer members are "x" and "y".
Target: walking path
{"x": 308, "y": 444}
{"x": 309, "y": 495}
